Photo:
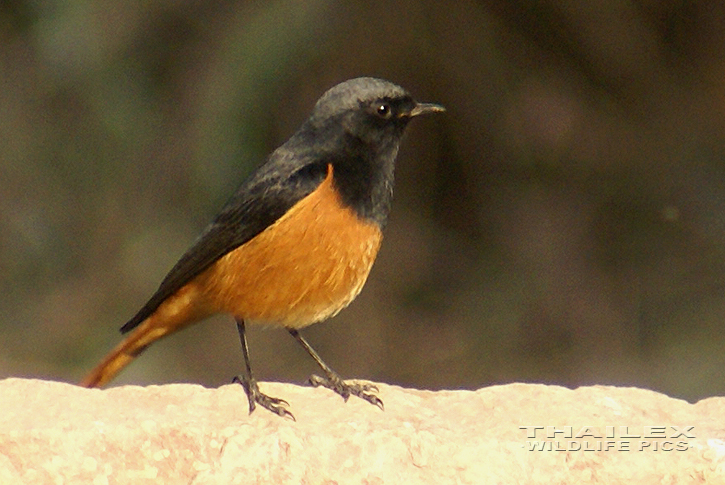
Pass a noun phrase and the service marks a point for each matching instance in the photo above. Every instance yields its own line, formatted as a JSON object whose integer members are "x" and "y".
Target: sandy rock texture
{"x": 55, "y": 433}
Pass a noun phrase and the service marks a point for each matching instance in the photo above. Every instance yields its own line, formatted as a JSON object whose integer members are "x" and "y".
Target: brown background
{"x": 563, "y": 222}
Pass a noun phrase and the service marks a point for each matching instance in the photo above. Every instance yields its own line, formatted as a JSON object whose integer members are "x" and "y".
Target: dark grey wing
{"x": 257, "y": 204}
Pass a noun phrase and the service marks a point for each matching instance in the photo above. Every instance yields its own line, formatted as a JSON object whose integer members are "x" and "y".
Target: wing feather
{"x": 258, "y": 203}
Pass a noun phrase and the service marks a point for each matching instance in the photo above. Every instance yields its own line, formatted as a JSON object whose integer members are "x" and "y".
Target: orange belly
{"x": 304, "y": 268}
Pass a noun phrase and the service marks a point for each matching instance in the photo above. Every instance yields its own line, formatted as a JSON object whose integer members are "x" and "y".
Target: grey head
{"x": 368, "y": 108}
{"x": 357, "y": 127}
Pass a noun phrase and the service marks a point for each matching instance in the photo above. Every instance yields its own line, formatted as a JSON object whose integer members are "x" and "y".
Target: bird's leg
{"x": 249, "y": 383}
{"x": 333, "y": 381}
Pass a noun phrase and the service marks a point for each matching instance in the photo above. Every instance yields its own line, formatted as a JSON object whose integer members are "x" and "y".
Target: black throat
{"x": 364, "y": 177}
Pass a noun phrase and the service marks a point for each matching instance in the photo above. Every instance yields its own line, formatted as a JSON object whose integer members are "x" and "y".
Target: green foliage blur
{"x": 563, "y": 222}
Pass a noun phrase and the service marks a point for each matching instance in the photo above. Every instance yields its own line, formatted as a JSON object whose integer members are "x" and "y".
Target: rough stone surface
{"x": 54, "y": 433}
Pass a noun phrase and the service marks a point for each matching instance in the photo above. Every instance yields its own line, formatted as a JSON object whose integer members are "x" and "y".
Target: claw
{"x": 344, "y": 389}
{"x": 255, "y": 396}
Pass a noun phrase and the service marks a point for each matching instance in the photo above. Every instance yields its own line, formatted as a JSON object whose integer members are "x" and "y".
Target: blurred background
{"x": 563, "y": 222}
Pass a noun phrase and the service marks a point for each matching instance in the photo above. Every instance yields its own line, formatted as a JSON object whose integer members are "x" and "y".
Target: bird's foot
{"x": 345, "y": 389}
{"x": 255, "y": 396}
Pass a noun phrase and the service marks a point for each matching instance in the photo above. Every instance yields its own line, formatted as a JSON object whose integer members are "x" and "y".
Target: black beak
{"x": 423, "y": 108}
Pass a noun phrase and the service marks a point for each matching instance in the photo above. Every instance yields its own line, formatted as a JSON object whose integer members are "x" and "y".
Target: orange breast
{"x": 304, "y": 268}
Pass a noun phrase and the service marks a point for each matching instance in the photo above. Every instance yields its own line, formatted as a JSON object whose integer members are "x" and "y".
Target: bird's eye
{"x": 384, "y": 110}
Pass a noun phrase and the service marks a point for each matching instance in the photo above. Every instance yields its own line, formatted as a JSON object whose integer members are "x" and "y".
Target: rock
{"x": 53, "y": 432}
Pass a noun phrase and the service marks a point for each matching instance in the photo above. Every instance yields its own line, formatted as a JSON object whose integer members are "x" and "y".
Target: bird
{"x": 295, "y": 243}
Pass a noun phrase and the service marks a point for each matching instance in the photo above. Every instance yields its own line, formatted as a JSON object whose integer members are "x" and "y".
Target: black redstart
{"x": 295, "y": 243}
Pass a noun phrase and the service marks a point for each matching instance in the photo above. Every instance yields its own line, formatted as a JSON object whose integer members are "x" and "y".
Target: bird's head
{"x": 371, "y": 110}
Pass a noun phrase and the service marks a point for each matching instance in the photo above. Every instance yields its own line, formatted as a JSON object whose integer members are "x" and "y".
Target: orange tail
{"x": 177, "y": 312}
{"x": 125, "y": 352}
